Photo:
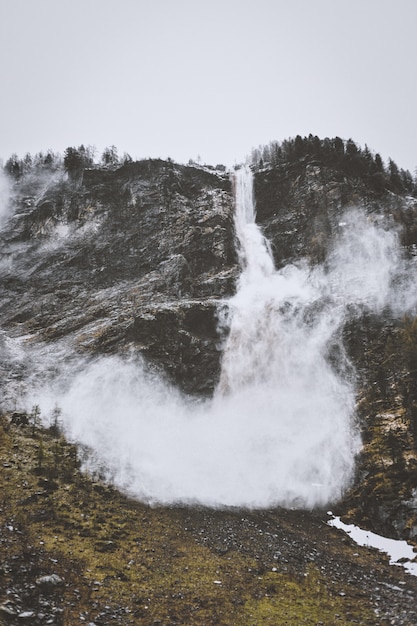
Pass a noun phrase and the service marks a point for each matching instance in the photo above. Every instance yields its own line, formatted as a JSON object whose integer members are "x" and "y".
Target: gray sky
{"x": 183, "y": 78}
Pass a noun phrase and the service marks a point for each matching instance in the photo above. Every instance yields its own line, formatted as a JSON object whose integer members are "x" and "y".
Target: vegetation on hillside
{"x": 74, "y": 161}
{"x": 75, "y": 551}
{"x": 344, "y": 156}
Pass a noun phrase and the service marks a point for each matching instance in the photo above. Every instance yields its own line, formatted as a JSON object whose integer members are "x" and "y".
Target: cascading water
{"x": 280, "y": 428}
{"x": 257, "y": 272}
{"x": 276, "y": 366}
{"x": 255, "y": 257}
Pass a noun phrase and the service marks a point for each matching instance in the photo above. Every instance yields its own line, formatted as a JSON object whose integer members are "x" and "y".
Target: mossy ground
{"x": 124, "y": 562}
{"x": 382, "y": 498}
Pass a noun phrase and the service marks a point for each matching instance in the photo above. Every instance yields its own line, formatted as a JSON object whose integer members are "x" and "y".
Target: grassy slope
{"x": 126, "y": 563}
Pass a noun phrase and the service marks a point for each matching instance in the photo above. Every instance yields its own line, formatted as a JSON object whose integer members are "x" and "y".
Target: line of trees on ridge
{"x": 74, "y": 161}
{"x": 343, "y": 155}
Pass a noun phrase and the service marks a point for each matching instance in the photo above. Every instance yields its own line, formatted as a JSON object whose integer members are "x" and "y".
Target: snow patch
{"x": 400, "y": 552}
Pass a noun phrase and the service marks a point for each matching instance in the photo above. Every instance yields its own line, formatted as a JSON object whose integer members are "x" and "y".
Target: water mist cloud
{"x": 240, "y": 449}
{"x": 363, "y": 262}
{"x": 4, "y": 198}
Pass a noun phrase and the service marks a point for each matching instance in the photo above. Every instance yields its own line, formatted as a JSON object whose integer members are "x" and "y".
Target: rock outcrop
{"x": 300, "y": 207}
{"x": 142, "y": 255}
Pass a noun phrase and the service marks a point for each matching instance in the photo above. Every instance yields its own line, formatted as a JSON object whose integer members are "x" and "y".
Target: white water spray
{"x": 4, "y": 198}
{"x": 254, "y": 254}
{"x": 280, "y": 428}
{"x": 276, "y": 363}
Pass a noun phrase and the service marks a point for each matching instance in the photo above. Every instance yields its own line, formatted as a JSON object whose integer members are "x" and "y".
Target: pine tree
{"x": 34, "y": 417}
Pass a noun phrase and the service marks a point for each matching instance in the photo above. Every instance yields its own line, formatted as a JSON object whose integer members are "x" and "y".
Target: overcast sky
{"x": 183, "y": 78}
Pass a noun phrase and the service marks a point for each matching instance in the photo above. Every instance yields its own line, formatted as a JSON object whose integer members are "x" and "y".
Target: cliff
{"x": 137, "y": 256}
{"x": 143, "y": 257}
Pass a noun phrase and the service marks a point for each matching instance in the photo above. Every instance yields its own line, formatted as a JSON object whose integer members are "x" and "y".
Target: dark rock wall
{"x": 299, "y": 209}
{"x": 120, "y": 254}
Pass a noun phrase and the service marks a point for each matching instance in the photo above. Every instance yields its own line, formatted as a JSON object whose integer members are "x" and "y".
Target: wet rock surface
{"x": 142, "y": 255}
{"x": 300, "y": 208}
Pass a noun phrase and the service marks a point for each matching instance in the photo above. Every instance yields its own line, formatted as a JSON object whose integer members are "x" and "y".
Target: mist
{"x": 281, "y": 428}
{"x": 4, "y": 198}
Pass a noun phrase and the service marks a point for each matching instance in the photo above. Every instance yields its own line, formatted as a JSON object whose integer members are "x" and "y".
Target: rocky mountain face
{"x": 300, "y": 207}
{"x": 139, "y": 256}
{"x": 143, "y": 257}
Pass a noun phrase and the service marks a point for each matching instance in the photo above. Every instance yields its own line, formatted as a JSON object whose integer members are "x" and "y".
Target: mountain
{"x": 141, "y": 259}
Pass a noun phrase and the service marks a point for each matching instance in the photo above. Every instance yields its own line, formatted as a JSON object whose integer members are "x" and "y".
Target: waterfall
{"x": 276, "y": 368}
{"x": 255, "y": 257}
